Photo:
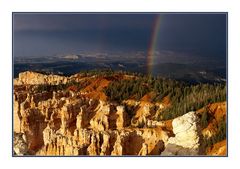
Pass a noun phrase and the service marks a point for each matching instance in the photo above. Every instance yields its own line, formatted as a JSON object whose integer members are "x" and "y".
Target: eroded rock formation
{"x": 74, "y": 123}
{"x": 34, "y": 78}
{"x": 81, "y": 126}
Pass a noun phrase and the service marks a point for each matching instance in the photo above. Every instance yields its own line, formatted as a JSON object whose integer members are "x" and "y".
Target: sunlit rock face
{"x": 187, "y": 136}
{"x": 34, "y": 78}
{"x": 67, "y": 123}
{"x": 82, "y": 126}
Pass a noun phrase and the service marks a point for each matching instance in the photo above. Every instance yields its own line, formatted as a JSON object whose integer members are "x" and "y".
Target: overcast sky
{"x": 198, "y": 35}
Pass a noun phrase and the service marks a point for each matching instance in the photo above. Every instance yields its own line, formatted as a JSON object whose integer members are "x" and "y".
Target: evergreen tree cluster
{"x": 194, "y": 97}
{"x": 106, "y": 73}
{"x": 136, "y": 88}
{"x": 184, "y": 97}
{"x": 204, "y": 119}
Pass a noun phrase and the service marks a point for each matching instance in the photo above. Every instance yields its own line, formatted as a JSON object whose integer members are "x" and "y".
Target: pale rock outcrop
{"x": 20, "y": 146}
{"x": 187, "y": 136}
{"x": 186, "y": 131}
{"x": 100, "y": 121}
{"x": 34, "y": 78}
{"x": 48, "y": 135}
{"x": 16, "y": 116}
{"x": 154, "y": 124}
{"x": 118, "y": 146}
{"x": 122, "y": 119}
{"x": 79, "y": 123}
{"x": 144, "y": 150}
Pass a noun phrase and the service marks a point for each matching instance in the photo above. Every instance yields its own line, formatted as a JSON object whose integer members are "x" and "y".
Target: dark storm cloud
{"x": 81, "y": 22}
{"x": 47, "y": 34}
{"x": 198, "y": 35}
{"x": 203, "y": 34}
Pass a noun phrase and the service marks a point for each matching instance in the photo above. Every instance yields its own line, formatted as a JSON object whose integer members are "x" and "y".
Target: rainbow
{"x": 153, "y": 45}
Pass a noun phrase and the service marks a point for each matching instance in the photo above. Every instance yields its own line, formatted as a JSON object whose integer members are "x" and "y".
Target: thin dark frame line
{"x": 226, "y": 14}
